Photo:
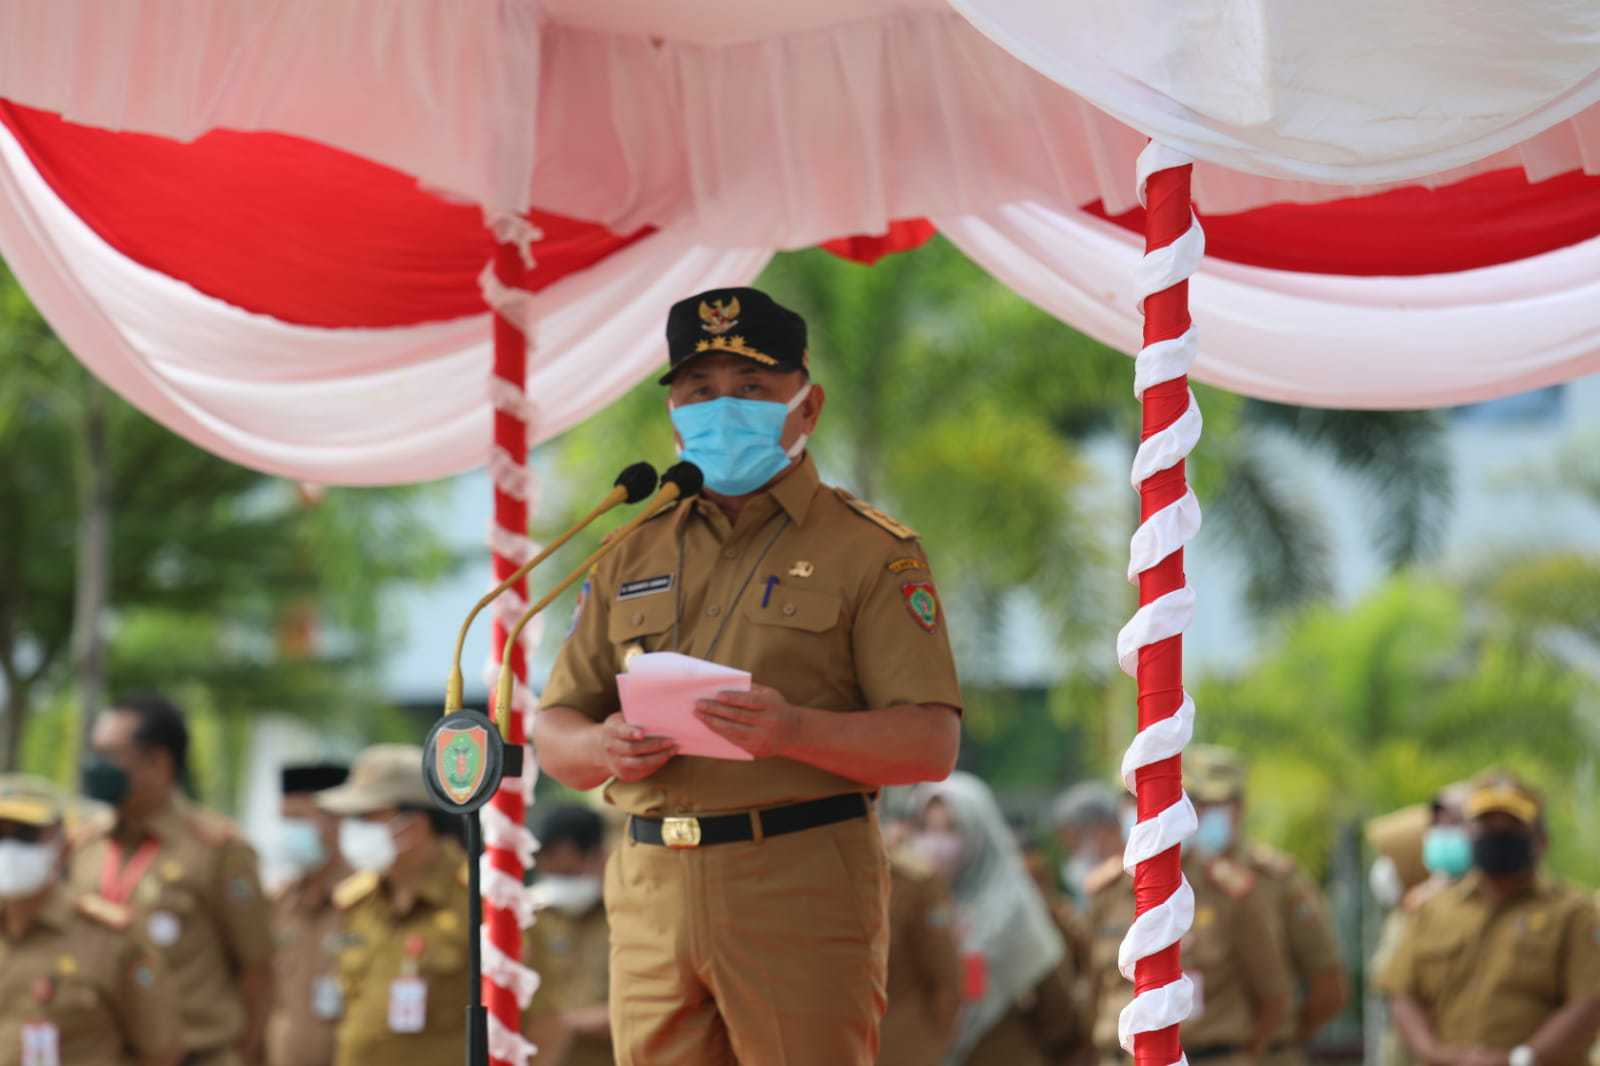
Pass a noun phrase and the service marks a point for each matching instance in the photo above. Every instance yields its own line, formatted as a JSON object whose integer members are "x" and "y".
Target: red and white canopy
{"x": 278, "y": 252}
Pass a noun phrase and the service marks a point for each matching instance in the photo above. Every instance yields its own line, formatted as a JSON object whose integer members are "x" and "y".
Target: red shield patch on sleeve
{"x": 922, "y": 602}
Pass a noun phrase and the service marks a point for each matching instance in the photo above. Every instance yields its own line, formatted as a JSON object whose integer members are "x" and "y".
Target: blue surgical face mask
{"x": 302, "y": 844}
{"x": 1215, "y": 833}
{"x": 1447, "y": 850}
{"x": 737, "y": 443}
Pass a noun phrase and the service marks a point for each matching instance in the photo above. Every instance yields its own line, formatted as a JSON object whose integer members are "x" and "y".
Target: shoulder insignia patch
{"x": 1103, "y": 876}
{"x": 354, "y": 889}
{"x": 1235, "y": 879}
{"x": 896, "y": 529}
{"x": 103, "y": 911}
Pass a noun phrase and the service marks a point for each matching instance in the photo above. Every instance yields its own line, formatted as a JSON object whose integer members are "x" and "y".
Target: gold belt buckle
{"x": 680, "y": 832}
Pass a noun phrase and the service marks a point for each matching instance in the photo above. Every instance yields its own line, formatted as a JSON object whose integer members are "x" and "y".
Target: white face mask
{"x": 568, "y": 894}
{"x": 367, "y": 846}
{"x": 302, "y": 844}
{"x": 26, "y": 869}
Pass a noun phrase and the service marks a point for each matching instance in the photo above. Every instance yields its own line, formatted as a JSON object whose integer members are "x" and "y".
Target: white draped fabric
{"x": 1314, "y": 339}
{"x": 349, "y": 406}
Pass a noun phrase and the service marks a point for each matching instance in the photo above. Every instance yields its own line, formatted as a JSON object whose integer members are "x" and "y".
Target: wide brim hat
{"x": 384, "y": 776}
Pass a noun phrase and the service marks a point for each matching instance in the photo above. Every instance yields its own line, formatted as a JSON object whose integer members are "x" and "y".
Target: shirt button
{"x": 731, "y": 553}
{"x": 638, "y": 618}
{"x": 713, "y": 610}
{"x": 788, "y": 610}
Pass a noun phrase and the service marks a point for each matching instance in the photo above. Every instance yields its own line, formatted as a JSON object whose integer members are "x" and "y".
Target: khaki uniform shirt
{"x": 1300, "y": 918}
{"x": 924, "y": 986}
{"x": 82, "y": 968}
{"x": 200, "y": 904}
{"x": 813, "y": 593}
{"x": 429, "y": 941}
{"x": 1231, "y": 953}
{"x": 572, "y": 958}
{"x": 306, "y": 929}
{"x": 1490, "y": 976}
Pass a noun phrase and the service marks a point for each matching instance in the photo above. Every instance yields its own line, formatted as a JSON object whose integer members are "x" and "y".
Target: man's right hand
{"x": 629, "y": 753}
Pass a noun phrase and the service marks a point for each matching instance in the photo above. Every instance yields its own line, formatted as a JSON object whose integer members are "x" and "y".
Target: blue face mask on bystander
{"x": 737, "y": 443}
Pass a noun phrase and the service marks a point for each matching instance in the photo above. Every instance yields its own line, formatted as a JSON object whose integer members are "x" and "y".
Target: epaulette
{"x": 1271, "y": 861}
{"x": 1103, "y": 876}
{"x": 354, "y": 889}
{"x": 896, "y": 529}
{"x": 213, "y": 829}
{"x": 1234, "y": 878}
{"x": 104, "y": 912}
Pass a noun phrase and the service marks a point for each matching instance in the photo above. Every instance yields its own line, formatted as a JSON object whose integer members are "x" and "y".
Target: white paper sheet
{"x": 658, "y": 694}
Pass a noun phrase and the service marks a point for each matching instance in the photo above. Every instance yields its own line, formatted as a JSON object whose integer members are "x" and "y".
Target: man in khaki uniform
{"x": 569, "y": 946}
{"x": 77, "y": 983}
{"x": 1502, "y": 968}
{"x": 748, "y": 904}
{"x": 924, "y": 984}
{"x": 188, "y": 875}
{"x": 306, "y": 925}
{"x": 403, "y": 965}
{"x": 1303, "y": 927}
{"x": 1231, "y": 954}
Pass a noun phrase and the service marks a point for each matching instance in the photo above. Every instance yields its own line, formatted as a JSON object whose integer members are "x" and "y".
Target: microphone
{"x": 632, "y": 485}
{"x": 681, "y": 481}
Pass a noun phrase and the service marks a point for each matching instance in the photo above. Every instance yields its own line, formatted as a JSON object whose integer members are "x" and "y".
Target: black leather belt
{"x": 690, "y": 831}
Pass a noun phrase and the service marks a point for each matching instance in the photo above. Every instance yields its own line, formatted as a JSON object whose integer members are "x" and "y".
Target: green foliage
{"x": 1361, "y": 711}
{"x": 209, "y": 563}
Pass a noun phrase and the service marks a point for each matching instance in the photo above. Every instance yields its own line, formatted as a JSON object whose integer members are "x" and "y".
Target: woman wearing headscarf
{"x": 1019, "y": 1008}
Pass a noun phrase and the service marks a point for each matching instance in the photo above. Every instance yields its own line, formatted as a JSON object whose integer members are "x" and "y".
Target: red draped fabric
{"x": 1497, "y": 217}
{"x": 286, "y": 227}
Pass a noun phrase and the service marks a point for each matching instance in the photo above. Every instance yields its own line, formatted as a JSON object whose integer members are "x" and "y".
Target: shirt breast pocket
{"x": 644, "y": 623}
{"x": 1436, "y": 961}
{"x": 795, "y": 610}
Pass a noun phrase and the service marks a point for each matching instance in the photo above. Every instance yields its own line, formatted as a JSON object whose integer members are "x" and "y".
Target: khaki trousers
{"x": 763, "y": 953}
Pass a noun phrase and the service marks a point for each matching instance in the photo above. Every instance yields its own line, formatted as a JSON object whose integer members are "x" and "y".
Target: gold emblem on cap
{"x": 802, "y": 569}
{"x": 717, "y": 318}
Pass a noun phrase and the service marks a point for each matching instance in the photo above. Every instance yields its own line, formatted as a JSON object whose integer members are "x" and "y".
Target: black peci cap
{"x": 743, "y": 321}
{"x": 312, "y": 777}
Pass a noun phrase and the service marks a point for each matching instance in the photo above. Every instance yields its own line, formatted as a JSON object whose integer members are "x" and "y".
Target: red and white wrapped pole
{"x": 509, "y": 847}
{"x": 1150, "y": 646}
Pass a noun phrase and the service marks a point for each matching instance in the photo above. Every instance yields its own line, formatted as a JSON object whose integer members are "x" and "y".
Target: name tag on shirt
{"x": 408, "y": 1005}
{"x": 327, "y": 998}
{"x": 632, "y": 590}
{"x": 41, "y": 1044}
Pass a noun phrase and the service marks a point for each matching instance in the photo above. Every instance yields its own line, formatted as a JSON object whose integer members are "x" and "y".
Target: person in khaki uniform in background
{"x": 569, "y": 945}
{"x": 924, "y": 984}
{"x": 1303, "y": 928}
{"x": 1425, "y": 861}
{"x": 188, "y": 875}
{"x": 749, "y": 900}
{"x": 1231, "y": 954}
{"x": 306, "y": 925}
{"x": 1503, "y": 967}
{"x": 1019, "y": 1008}
{"x": 77, "y": 982}
{"x": 404, "y": 956}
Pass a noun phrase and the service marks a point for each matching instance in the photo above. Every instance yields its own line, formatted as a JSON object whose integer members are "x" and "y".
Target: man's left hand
{"x": 760, "y": 721}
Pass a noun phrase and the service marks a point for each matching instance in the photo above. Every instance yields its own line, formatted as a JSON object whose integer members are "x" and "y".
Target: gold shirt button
{"x": 713, "y": 610}
{"x": 788, "y": 610}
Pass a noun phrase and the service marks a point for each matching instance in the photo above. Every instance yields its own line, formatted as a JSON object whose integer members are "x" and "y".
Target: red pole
{"x": 1159, "y": 785}
{"x": 511, "y": 517}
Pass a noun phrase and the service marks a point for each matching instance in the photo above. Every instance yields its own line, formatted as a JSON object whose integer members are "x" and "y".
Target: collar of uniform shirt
{"x": 794, "y": 491}
{"x": 1476, "y": 885}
